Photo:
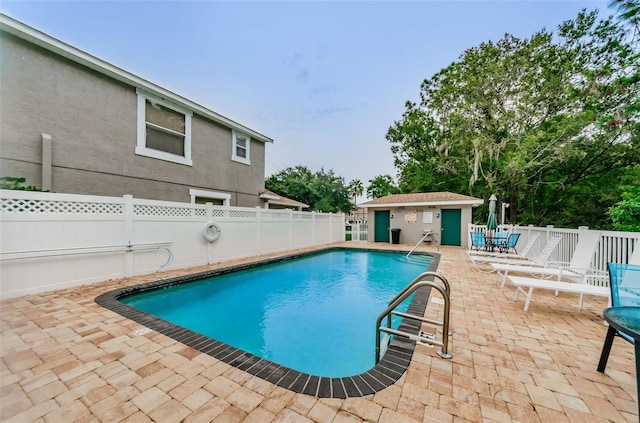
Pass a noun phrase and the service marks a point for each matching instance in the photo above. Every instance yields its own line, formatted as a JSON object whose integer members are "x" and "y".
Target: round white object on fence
{"x": 211, "y": 231}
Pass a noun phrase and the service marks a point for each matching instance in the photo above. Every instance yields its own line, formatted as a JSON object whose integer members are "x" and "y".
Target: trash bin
{"x": 395, "y": 236}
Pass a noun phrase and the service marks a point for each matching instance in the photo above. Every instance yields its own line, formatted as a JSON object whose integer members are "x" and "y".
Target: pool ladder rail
{"x": 444, "y": 288}
{"x": 425, "y": 235}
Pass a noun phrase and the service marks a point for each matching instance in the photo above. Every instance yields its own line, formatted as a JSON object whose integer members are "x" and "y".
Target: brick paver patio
{"x": 66, "y": 359}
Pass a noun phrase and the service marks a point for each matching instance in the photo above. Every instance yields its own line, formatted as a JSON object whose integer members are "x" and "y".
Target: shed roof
{"x": 76, "y": 55}
{"x": 280, "y": 200}
{"x": 422, "y": 199}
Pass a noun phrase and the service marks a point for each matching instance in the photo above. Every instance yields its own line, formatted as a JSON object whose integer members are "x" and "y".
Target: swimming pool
{"x": 311, "y": 315}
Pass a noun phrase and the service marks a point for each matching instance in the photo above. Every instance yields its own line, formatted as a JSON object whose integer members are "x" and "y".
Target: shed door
{"x": 451, "y": 220}
{"x": 382, "y": 220}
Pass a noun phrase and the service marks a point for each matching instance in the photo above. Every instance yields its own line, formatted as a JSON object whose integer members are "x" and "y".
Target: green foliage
{"x": 355, "y": 189}
{"x": 322, "y": 191}
{"x": 626, "y": 213}
{"x": 628, "y": 14}
{"x": 549, "y": 124}
{"x": 11, "y": 182}
{"x": 380, "y": 186}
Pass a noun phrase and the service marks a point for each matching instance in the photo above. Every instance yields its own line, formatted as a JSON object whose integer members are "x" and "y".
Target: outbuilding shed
{"x": 444, "y": 214}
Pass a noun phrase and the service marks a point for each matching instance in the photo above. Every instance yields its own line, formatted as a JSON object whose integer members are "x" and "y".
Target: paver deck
{"x": 67, "y": 359}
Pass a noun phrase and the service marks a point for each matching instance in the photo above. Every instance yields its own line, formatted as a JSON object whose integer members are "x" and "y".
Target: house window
{"x": 164, "y": 131}
{"x": 203, "y": 197}
{"x": 241, "y": 148}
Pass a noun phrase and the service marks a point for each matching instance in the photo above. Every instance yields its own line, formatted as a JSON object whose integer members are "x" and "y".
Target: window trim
{"x": 226, "y": 198}
{"x": 141, "y": 143}
{"x": 244, "y": 160}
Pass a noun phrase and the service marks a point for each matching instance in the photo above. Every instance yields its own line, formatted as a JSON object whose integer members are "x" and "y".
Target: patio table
{"x": 490, "y": 243}
{"x": 626, "y": 320}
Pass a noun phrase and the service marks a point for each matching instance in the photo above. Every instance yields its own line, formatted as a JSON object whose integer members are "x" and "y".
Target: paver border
{"x": 385, "y": 373}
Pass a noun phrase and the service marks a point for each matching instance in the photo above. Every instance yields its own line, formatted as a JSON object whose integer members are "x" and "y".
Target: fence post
{"x": 209, "y": 246}
{"x": 128, "y": 234}
{"x": 258, "y": 229}
{"x": 331, "y": 227}
{"x": 290, "y": 228}
{"x": 548, "y": 232}
{"x": 313, "y": 228}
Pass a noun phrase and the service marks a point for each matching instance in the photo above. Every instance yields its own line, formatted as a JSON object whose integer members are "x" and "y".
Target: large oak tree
{"x": 549, "y": 123}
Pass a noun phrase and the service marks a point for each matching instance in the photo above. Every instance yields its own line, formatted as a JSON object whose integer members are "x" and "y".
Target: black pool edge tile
{"x": 325, "y": 388}
{"x": 337, "y": 388}
{"x": 274, "y": 376}
{"x": 300, "y": 383}
{"x": 350, "y": 387}
{"x": 385, "y": 373}
{"x": 312, "y": 386}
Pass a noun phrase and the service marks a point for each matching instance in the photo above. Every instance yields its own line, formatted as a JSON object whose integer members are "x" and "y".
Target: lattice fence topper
{"x": 200, "y": 212}
{"x": 246, "y": 214}
{"x": 159, "y": 211}
{"x": 15, "y": 205}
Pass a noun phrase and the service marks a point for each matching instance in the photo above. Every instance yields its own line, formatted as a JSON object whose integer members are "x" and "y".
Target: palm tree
{"x": 356, "y": 189}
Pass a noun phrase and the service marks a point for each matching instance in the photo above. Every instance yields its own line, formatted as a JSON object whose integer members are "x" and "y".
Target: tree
{"x": 322, "y": 191}
{"x": 355, "y": 189}
{"x": 547, "y": 123}
{"x": 380, "y": 186}
{"x": 626, "y": 213}
{"x": 11, "y": 182}
{"x": 629, "y": 13}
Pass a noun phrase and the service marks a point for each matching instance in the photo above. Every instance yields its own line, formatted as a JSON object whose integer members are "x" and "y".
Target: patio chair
{"x": 624, "y": 282}
{"x": 523, "y": 254}
{"x": 510, "y": 244}
{"x": 538, "y": 261}
{"x": 500, "y": 239}
{"x": 478, "y": 241}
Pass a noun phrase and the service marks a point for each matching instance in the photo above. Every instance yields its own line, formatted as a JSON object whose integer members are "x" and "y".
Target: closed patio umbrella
{"x": 492, "y": 222}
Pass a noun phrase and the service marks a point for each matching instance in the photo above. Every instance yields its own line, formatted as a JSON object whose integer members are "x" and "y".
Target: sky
{"x": 325, "y": 80}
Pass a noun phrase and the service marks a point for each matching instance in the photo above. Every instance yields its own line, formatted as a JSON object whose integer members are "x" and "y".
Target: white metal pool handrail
{"x": 55, "y": 252}
{"x": 416, "y": 284}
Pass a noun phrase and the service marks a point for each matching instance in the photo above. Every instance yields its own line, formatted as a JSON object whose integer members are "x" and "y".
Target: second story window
{"x": 164, "y": 131}
{"x": 241, "y": 148}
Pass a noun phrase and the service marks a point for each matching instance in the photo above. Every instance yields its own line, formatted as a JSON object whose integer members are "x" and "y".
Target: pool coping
{"x": 384, "y": 374}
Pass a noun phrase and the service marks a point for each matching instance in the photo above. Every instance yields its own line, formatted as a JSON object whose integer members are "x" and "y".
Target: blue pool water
{"x": 315, "y": 314}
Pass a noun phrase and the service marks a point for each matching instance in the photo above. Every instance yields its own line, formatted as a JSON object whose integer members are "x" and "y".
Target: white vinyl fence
{"x": 50, "y": 241}
{"x": 356, "y": 231}
{"x": 614, "y": 246}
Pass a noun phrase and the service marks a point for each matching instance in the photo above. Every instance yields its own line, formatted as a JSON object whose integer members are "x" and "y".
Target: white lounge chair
{"x": 578, "y": 270}
{"x": 527, "y": 285}
{"x": 537, "y": 261}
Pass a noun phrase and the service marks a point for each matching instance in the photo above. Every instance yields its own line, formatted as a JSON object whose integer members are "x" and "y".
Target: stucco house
{"x": 73, "y": 123}
{"x": 445, "y": 214}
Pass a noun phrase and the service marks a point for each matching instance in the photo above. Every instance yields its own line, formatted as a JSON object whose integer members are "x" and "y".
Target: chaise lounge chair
{"x": 537, "y": 261}
{"x": 578, "y": 269}
{"x": 583, "y": 279}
